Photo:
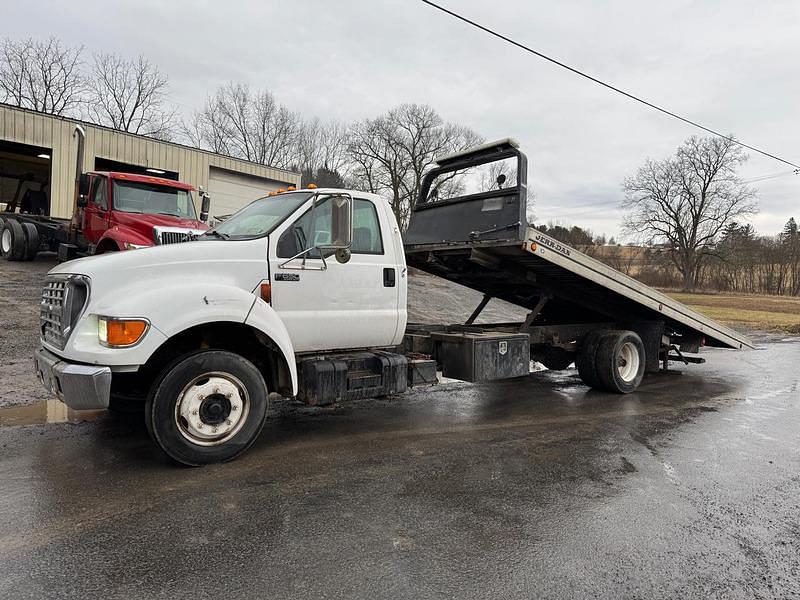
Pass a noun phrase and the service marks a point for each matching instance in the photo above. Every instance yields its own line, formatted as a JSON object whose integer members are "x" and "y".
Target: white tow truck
{"x": 304, "y": 294}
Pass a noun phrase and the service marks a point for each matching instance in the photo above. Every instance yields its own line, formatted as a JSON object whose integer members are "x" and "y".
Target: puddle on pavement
{"x": 48, "y": 411}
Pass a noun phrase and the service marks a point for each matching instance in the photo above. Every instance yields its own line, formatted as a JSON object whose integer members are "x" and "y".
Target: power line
{"x": 602, "y": 83}
{"x": 773, "y": 176}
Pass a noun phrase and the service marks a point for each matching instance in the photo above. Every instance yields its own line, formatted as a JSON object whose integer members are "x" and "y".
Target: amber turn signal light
{"x": 118, "y": 333}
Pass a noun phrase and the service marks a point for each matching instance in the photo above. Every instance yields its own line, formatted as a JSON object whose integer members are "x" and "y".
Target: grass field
{"x": 774, "y": 313}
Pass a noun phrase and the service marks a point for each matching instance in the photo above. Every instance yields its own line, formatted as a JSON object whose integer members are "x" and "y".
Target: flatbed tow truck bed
{"x": 482, "y": 241}
{"x": 524, "y": 272}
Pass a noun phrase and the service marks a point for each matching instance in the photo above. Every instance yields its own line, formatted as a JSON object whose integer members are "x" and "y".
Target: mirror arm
{"x": 304, "y": 254}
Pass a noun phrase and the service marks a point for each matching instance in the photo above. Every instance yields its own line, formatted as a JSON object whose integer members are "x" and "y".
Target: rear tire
{"x": 207, "y": 407}
{"x": 620, "y": 362}
{"x": 31, "y": 241}
{"x": 585, "y": 358}
{"x": 12, "y": 240}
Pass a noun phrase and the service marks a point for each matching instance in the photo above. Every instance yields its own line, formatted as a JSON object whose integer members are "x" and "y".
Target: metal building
{"x": 38, "y": 152}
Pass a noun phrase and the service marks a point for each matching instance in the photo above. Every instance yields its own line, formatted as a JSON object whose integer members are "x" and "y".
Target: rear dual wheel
{"x": 18, "y": 241}
{"x": 612, "y": 361}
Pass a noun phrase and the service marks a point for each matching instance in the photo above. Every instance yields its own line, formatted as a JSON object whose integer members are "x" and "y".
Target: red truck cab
{"x": 123, "y": 211}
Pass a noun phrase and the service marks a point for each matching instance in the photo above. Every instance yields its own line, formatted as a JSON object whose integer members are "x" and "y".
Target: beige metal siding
{"x": 192, "y": 165}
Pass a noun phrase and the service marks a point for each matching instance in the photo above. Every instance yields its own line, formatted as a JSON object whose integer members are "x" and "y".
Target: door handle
{"x": 389, "y": 277}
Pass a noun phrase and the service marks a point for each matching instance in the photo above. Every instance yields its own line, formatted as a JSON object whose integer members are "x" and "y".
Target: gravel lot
{"x": 20, "y": 291}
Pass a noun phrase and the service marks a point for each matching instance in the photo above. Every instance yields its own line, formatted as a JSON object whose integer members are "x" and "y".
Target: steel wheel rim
{"x": 5, "y": 243}
{"x": 200, "y": 413}
{"x": 628, "y": 362}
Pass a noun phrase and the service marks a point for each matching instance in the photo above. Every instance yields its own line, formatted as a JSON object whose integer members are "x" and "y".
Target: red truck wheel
{"x": 31, "y": 241}
{"x": 12, "y": 240}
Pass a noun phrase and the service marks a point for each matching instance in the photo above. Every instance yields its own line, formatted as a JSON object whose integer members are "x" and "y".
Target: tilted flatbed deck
{"x": 522, "y": 273}
{"x": 481, "y": 241}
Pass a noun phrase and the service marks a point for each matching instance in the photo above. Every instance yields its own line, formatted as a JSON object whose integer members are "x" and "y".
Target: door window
{"x": 366, "y": 228}
{"x": 304, "y": 234}
{"x": 100, "y": 193}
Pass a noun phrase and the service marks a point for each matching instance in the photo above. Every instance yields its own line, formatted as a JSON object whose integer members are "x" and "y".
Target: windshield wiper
{"x": 222, "y": 236}
{"x": 169, "y": 214}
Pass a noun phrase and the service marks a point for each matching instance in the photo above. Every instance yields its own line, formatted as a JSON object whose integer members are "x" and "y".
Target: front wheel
{"x": 207, "y": 407}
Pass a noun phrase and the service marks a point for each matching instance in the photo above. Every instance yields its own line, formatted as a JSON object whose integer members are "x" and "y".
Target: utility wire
{"x": 773, "y": 176}
{"x": 603, "y": 83}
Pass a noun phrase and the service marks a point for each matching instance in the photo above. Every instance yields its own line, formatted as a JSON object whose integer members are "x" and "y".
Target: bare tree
{"x": 391, "y": 153}
{"x": 251, "y": 126}
{"x": 130, "y": 95}
{"x": 322, "y": 145}
{"x": 41, "y": 75}
{"x": 687, "y": 200}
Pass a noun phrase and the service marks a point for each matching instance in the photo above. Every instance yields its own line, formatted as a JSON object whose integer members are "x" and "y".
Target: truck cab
{"x": 301, "y": 293}
{"x": 124, "y": 211}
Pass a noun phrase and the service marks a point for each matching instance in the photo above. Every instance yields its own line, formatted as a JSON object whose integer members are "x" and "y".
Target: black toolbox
{"x": 483, "y": 356}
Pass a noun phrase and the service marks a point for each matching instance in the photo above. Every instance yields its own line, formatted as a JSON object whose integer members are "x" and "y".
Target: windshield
{"x": 153, "y": 199}
{"x": 260, "y": 217}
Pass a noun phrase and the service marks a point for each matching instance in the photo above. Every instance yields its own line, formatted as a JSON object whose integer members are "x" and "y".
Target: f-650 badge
{"x": 552, "y": 245}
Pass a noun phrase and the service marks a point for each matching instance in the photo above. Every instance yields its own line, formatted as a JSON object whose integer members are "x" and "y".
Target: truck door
{"x": 335, "y": 305}
{"x": 96, "y": 211}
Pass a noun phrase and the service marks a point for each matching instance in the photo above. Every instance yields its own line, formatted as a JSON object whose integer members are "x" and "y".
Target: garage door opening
{"x": 231, "y": 191}
{"x": 25, "y": 178}
{"x": 106, "y": 164}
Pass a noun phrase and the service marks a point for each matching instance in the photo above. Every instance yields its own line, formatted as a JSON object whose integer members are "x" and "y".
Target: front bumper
{"x": 81, "y": 387}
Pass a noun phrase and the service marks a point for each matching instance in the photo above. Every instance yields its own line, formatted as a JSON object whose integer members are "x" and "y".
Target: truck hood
{"x": 240, "y": 263}
{"x": 143, "y": 224}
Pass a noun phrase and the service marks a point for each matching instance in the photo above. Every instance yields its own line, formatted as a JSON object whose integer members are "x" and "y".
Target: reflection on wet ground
{"x": 47, "y": 411}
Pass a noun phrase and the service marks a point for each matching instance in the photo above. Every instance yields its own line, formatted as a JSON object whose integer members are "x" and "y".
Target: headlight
{"x": 119, "y": 333}
{"x": 129, "y": 246}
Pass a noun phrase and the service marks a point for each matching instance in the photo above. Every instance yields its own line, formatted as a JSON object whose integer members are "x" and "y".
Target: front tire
{"x": 207, "y": 407}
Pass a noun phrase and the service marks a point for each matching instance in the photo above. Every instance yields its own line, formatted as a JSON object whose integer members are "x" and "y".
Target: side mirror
{"x": 82, "y": 201}
{"x": 205, "y": 206}
{"x": 342, "y": 227}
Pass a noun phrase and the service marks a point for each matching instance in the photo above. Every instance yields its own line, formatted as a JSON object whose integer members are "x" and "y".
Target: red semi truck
{"x": 111, "y": 211}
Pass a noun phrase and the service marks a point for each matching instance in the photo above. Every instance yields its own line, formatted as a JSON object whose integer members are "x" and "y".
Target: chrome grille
{"x": 172, "y": 237}
{"x": 63, "y": 301}
{"x": 52, "y": 312}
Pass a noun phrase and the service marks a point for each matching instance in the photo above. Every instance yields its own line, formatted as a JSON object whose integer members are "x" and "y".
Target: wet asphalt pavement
{"x": 689, "y": 488}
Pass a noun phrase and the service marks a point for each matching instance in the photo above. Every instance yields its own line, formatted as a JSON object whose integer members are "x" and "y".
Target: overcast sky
{"x": 731, "y": 65}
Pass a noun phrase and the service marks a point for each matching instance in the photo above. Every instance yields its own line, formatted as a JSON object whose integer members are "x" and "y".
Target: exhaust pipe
{"x": 81, "y": 135}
